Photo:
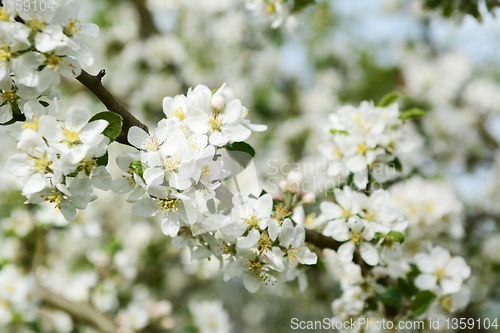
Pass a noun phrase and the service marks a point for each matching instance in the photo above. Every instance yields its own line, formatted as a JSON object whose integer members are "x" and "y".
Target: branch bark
{"x": 94, "y": 84}
{"x": 80, "y": 311}
{"x": 148, "y": 27}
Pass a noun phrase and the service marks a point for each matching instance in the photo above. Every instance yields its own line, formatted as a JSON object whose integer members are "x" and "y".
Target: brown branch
{"x": 80, "y": 311}
{"x": 94, "y": 84}
{"x": 148, "y": 27}
{"x": 319, "y": 240}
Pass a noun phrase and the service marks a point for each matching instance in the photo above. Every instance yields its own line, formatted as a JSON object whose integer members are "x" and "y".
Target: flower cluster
{"x": 277, "y": 11}
{"x": 444, "y": 275}
{"x": 16, "y": 294}
{"x": 358, "y": 138}
{"x": 357, "y": 220}
{"x": 35, "y": 52}
{"x": 59, "y": 160}
{"x": 183, "y": 156}
{"x": 431, "y": 207}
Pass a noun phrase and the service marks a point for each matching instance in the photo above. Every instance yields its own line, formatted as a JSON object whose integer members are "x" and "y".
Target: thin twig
{"x": 81, "y": 311}
{"x": 94, "y": 84}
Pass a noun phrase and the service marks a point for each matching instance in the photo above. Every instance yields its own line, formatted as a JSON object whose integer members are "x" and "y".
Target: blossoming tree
{"x": 75, "y": 257}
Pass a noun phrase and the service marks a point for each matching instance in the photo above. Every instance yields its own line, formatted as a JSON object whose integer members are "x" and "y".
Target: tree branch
{"x": 320, "y": 240}
{"x": 81, "y": 311}
{"x": 94, "y": 84}
{"x": 148, "y": 27}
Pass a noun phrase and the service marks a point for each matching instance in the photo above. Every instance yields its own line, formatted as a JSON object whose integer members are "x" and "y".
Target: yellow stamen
{"x": 9, "y": 96}
{"x": 36, "y": 25}
{"x": 5, "y": 54}
{"x": 33, "y": 125}
{"x": 72, "y": 137}
{"x": 205, "y": 171}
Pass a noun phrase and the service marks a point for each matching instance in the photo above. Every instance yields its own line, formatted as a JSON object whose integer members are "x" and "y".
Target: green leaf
{"x": 334, "y": 131}
{"x": 138, "y": 167}
{"x": 422, "y": 302}
{"x": 391, "y": 296}
{"x": 389, "y": 99}
{"x": 103, "y": 160}
{"x": 241, "y": 152}
{"x": 414, "y": 113}
{"x": 10, "y": 122}
{"x": 115, "y": 123}
{"x": 395, "y": 236}
{"x": 407, "y": 288}
{"x": 397, "y": 164}
{"x": 45, "y": 104}
{"x": 300, "y": 4}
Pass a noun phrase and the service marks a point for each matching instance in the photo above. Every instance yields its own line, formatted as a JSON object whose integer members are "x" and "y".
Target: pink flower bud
{"x": 283, "y": 185}
{"x": 217, "y": 102}
{"x": 309, "y": 198}
{"x": 278, "y": 197}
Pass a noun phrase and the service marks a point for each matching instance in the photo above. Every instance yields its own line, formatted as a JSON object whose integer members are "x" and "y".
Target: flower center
{"x": 4, "y": 16}
{"x": 169, "y": 204}
{"x": 356, "y": 238}
{"x": 54, "y": 198}
{"x": 271, "y": 9}
{"x": 179, "y": 113}
{"x": 152, "y": 145}
{"x": 41, "y": 164}
{"x": 280, "y": 213}
{"x": 53, "y": 61}
{"x": 5, "y": 54}
{"x": 205, "y": 171}
{"x": 72, "y": 137}
{"x": 215, "y": 122}
{"x": 9, "y": 96}
{"x": 440, "y": 274}
{"x": 362, "y": 148}
{"x": 346, "y": 213}
{"x": 36, "y": 25}
{"x": 171, "y": 164}
{"x": 264, "y": 243}
{"x": 33, "y": 125}
{"x": 293, "y": 255}
{"x": 253, "y": 221}
{"x": 71, "y": 28}
{"x": 88, "y": 164}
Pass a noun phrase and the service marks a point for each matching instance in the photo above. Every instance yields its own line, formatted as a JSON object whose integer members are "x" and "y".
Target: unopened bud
{"x": 278, "y": 197}
{"x": 217, "y": 102}
{"x": 309, "y": 198}
{"x": 283, "y": 185}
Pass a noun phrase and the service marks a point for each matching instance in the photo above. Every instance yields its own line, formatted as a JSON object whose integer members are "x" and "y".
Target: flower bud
{"x": 217, "y": 102}
{"x": 309, "y": 198}
{"x": 278, "y": 197}
{"x": 283, "y": 185}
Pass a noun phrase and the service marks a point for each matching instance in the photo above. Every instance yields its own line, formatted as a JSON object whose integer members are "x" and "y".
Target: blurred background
{"x": 291, "y": 78}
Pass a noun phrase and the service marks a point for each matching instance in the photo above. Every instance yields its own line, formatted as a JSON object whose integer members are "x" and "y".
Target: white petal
{"x": 368, "y": 253}
{"x": 345, "y": 252}
{"x": 426, "y": 282}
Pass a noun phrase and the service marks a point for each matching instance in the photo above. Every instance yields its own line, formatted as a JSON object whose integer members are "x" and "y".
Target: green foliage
{"x": 374, "y": 82}
{"x": 115, "y": 123}
{"x": 414, "y": 113}
{"x": 334, "y": 131}
{"x": 389, "y": 99}
{"x": 103, "y": 160}
{"x": 451, "y": 8}
{"x": 422, "y": 302}
{"x": 138, "y": 167}
{"x": 394, "y": 236}
{"x": 391, "y": 296}
{"x": 241, "y": 152}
